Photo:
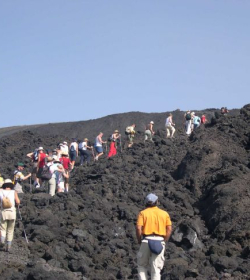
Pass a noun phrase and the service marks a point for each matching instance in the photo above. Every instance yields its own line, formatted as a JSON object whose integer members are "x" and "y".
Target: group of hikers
{"x": 153, "y": 228}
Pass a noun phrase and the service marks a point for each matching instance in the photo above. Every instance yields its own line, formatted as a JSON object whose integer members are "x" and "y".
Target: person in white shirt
{"x": 170, "y": 126}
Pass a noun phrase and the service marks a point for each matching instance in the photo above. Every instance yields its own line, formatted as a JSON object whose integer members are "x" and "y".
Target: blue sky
{"x": 71, "y": 60}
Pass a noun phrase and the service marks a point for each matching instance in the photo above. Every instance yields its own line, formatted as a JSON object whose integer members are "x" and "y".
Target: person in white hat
{"x": 153, "y": 230}
{"x": 149, "y": 132}
{"x": 8, "y": 199}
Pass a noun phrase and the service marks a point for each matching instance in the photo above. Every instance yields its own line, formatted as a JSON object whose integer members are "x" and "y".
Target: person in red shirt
{"x": 203, "y": 119}
{"x": 67, "y": 166}
{"x": 40, "y": 164}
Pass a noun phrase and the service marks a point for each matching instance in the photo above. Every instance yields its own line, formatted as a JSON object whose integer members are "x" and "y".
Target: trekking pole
{"x": 30, "y": 185}
{"x": 121, "y": 142}
{"x": 21, "y": 219}
{"x": 93, "y": 153}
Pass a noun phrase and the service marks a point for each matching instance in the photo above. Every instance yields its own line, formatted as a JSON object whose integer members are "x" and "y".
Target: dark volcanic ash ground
{"x": 202, "y": 181}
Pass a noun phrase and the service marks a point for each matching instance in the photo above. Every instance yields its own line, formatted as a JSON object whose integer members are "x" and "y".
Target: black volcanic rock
{"x": 89, "y": 233}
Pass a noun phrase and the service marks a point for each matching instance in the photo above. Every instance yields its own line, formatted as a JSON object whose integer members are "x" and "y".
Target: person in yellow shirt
{"x": 153, "y": 230}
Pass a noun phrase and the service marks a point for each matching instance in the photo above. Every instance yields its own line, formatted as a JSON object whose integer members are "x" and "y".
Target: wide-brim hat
{"x": 65, "y": 142}
{"x": 152, "y": 122}
{"x": 40, "y": 149}
{"x": 8, "y": 184}
{"x": 49, "y": 159}
{"x": 116, "y": 131}
{"x": 86, "y": 139}
{"x": 65, "y": 154}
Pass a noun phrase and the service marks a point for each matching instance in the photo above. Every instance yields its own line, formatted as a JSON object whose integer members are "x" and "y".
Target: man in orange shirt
{"x": 153, "y": 229}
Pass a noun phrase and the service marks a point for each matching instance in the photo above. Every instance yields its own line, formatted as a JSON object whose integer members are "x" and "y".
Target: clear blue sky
{"x": 71, "y": 60}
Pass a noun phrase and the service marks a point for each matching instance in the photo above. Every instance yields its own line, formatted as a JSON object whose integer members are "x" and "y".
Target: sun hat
{"x": 86, "y": 139}
{"x": 20, "y": 164}
{"x": 8, "y": 184}
{"x": 49, "y": 159}
{"x": 151, "y": 198}
{"x": 65, "y": 154}
{"x": 65, "y": 142}
{"x": 40, "y": 149}
{"x": 152, "y": 122}
{"x": 116, "y": 131}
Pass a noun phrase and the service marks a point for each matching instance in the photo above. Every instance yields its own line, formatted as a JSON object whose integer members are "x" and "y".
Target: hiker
{"x": 61, "y": 175}
{"x": 73, "y": 152}
{"x": 64, "y": 147}
{"x": 224, "y": 111}
{"x": 203, "y": 119}
{"x": 149, "y": 132}
{"x": 84, "y": 149}
{"x": 8, "y": 199}
{"x": 170, "y": 126}
{"x": 187, "y": 121}
{"x": 114, "y": 137}
{"x": 34, "y": 159}
{"x": 153, "y": 230}
{"x": 130, "y": 132}
{"x": 196, "y": 121}
{"x": 67, "y": 166}
{"x": 98, "y": 145}
{"x": 52, "y": 163}
{"x": 40, "y": 164}
{"x": 19, "y": 177}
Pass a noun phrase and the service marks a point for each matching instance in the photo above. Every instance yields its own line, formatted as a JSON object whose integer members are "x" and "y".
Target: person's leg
{"x": 157, "y": 263}
{"x": 10, "y": 233}
{"x": 172, "y": 131}
{"x": 52, "y": 186}
{"x": 81, "y": 157}
{"x": 3, "y": 228}
{"x": 167, "y": 130}
{"x": 143, "y": 257}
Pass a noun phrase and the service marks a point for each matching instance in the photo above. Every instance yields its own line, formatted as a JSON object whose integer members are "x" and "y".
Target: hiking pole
{"x": 121, "y": 142}
{"x": 30, "y": 185}
{"x": 21, "y": 219}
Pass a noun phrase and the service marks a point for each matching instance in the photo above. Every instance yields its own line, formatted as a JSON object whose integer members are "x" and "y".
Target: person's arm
{"x": 139, "y": 233}
{"x": 17, "y": 200}
{"x": 30, "y": 155}
{"x": 38, "y": 161}
{"x": 168, "y": 233}
{"x": 76, "y": 149}
{"x": 26, "y": 177}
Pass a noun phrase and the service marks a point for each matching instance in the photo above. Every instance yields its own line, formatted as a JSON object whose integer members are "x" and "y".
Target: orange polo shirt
{"x": 154, "y": 221}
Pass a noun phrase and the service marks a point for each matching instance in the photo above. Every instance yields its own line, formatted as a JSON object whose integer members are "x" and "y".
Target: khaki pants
{"x": 52, "y": 186}
{"x": 7, "y": 229}
{"x": 170, "y": 131}
{"x": 146, "y": 259}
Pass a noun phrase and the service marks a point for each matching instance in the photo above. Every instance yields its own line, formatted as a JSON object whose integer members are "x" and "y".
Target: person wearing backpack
{"x": 130, "y": 132}
{"x": 19, "y": 177}
{"x": 113, "y": 141}
{"x": 8, "y": 199}
{"x": 73, "y": 152}
{"x": 187, "y": 122}
{"x": 153, "y": 230}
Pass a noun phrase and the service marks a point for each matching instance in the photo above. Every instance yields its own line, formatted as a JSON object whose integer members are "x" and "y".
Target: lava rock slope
{"x": 89, "y": 233}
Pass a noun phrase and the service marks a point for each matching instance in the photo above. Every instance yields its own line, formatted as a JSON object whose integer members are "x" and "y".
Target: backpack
{"x": 46, "y": 174}
{"x": 188, "y": 117}
{"x": 6, "y": 203}
{"x": 128, "y": 130}
{"x": 72, "y": 148}
{"x": 35, "y": 155}
{"x": 80, "y": 146}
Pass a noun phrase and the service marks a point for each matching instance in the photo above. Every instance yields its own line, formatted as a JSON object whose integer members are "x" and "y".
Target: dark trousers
{"x": 84, "y": 155}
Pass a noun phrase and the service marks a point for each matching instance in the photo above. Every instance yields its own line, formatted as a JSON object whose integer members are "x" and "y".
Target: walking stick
{"x": 93, "y": 153}
{"x": 30, "y": 185}
{"x": 21, "y": 219}
{"x": 121, "y": 142}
